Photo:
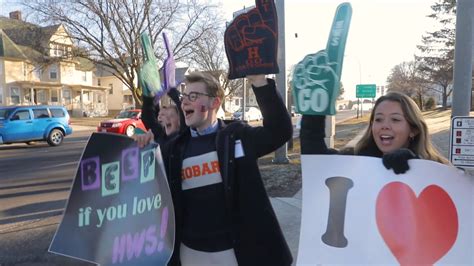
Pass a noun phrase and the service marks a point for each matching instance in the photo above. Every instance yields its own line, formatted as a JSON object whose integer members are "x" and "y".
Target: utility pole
{"x": 281, "y": 153}
{"x": 463, "y": 58}
{"x": 244, "y": 97}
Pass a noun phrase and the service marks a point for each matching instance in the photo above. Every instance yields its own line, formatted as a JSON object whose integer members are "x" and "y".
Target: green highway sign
{"x": 365, "y": 91}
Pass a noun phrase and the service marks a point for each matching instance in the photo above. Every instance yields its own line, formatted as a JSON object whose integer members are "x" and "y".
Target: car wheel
{"x": 130, "y": 130}
{"x": 55, "y": 137}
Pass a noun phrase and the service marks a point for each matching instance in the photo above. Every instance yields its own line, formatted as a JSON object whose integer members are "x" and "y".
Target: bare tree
{"x": 341, "y": 91}
{"x": 437, "y": 50}
{"x": 209, "y": 55}
{"x": 400, "y": 78}
{"x": 108, "y": 32}
{"x": 407, "y": 77}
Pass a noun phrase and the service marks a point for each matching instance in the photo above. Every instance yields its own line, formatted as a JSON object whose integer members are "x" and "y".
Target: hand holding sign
{"x": 148, "y": 76}
{"x": 316, "y": 79}
{"x": 251, "y": 41}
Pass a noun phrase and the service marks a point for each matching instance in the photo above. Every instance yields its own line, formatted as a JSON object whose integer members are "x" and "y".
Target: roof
{"x": 180, "y": 74}
{"x": 24, "y": 40}
{"x": 84, "y": 64}
{"x": 8, "y": 48}
{"x": 27, "y": 34}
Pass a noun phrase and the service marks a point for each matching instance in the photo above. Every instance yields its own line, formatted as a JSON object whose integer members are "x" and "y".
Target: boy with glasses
{"x": 223, "y": 213}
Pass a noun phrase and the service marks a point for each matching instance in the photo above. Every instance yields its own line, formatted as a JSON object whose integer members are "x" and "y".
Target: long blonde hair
{"x": 420, "y": 144}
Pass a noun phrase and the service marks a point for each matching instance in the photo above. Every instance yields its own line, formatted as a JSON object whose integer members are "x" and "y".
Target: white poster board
{"x": 357, "y": 212}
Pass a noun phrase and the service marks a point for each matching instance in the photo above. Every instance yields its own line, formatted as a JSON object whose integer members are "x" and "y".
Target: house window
{"x": 37, "y": 72}
{"x": 41, "y": 94}
{"x": 128, "y": 99}
{"x": 67, "y": 97}
{"x": 54, "y": 96}
{"x": 84, "y": 76}
{"x": 53, "y": 72}
{"x": 111, "y": 88}
{"x": 60, "y": 50}
{"x": 27, "y": 96}
{"x": 99, "y": 97}
{"x": 25, "y": 70}
{"x": 98, "y": 82}
{"x": 15, "y": 95}
{"x": 1, "y": 95}
{"x": 69, "y": 51}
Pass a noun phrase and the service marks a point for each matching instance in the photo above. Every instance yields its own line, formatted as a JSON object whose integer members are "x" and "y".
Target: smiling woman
{"x": 397, "y": 132}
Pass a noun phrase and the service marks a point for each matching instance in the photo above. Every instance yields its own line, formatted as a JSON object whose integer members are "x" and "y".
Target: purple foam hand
{"x": 168, "y": 71}
{"x": 169, "y": 67}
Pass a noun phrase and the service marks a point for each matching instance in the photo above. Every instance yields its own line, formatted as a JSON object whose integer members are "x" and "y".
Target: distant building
{"x": 232, "y": 102}
{"x": 118, "y": 94}
{"x": 37, "y": 66}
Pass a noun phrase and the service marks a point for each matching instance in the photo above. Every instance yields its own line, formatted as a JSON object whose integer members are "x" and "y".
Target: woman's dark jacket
{"x": 312, "y": 135}
{"x": 256, "y": 234}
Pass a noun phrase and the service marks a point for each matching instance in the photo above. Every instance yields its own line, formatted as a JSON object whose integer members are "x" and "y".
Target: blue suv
{"x": 34, "y": 123}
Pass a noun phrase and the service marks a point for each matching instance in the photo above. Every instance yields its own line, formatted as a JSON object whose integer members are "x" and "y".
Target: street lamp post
{"x": 360, "y": 82}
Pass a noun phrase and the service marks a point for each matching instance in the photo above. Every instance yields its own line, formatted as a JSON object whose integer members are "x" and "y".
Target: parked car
{"x": 251, "y": 113}
{"x": 124, "y": 123}
{"x": 34, "y": 123}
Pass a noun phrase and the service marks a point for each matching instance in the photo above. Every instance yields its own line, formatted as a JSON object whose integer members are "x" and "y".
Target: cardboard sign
{"x": 251, "y": 41}
{"x": 316, "y": 79}
{"x": 364, "y": 214}
{"x": 120, "y": 210}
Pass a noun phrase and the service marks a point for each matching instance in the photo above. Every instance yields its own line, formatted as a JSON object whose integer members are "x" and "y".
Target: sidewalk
{"x": 288, "y": 210}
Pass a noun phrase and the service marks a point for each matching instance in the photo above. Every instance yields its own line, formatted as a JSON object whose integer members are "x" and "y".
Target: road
{"x": 35, "y": 179}
{"x": 343, "y": 115}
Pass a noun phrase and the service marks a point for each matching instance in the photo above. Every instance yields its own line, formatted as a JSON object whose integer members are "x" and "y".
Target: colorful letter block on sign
{"x": 364, "y": 214}
{"x": 120, "y": 210}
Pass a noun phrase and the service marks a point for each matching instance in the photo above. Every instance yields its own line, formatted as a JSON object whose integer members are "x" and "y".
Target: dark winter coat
{"x": 312, "y": 135}
{"x": 256, "y": 234}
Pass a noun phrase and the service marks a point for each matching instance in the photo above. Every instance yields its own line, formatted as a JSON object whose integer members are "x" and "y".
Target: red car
{"x": 124, "y": 123}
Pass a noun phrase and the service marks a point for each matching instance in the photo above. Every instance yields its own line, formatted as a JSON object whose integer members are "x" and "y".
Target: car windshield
{"x": 127, "y": 114}
{"x": 4, "y": 113}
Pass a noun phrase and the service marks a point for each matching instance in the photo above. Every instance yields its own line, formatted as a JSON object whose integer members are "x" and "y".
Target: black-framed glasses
{"x": 192, "y": 96}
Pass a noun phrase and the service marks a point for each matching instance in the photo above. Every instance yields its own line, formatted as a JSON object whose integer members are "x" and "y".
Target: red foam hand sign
{"x": 251, "y": 41}
{"x": 418, "y": 231}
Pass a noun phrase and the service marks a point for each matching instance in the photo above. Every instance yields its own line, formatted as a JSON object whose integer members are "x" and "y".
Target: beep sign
{"x": 364, "y": 214}
{"x": 119, "y": 210}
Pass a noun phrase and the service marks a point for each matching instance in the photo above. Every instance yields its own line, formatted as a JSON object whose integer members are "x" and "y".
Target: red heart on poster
{"x": 417, "y": 230}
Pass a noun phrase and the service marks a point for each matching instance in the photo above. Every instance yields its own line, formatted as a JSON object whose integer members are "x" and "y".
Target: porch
{"x": 79, "y": 100}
